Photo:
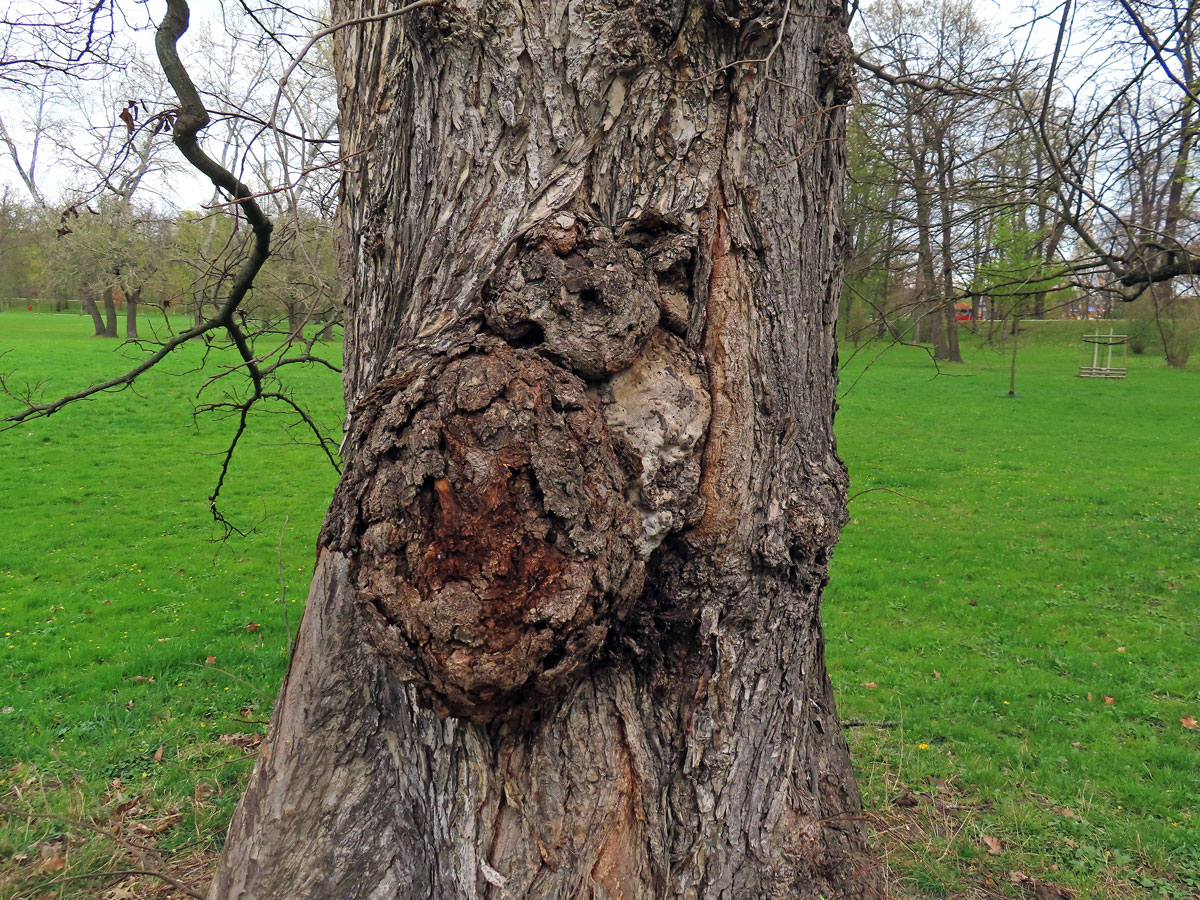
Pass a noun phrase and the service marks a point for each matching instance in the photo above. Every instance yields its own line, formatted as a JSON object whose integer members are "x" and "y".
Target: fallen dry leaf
{"x": 994, "y": 847}
{"x": 906, "y": 799}
{"x": 253, "y": 626}
{"x": 158, "y": 826}
{"x": 1110, "y": 700}
{"x": 1189, "y": 722}
{"x": 209, "y": 660}
{"x": 202, "y": 792}
{"x": 158, "y": 754}
{"x": 870, "y": 685}
{"x": 50, "y": 857}
{"x": 245, "y": 741}
{"x": 52, "y": 864}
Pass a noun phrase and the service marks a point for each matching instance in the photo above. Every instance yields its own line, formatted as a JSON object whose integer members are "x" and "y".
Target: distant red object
{"x": 30, "y": 308}
{"x": 963, "y": 315}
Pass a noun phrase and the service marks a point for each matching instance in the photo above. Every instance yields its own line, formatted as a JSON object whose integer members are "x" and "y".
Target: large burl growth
{"x": 509, "y": 493}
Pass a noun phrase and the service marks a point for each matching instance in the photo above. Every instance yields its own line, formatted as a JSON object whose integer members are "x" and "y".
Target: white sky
{"x": 185, "y": 190}
{"x": 189, "y": 191}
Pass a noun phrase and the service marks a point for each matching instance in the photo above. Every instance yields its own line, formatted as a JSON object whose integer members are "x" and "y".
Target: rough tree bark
{"x": 131, "y": 313}
{"x": 947, "y": 347}
{"x": 563, "y": 638}
{"x": 297, "y": 317}
{"x": 110, "y": 313}
{"x": 97, "y": 319}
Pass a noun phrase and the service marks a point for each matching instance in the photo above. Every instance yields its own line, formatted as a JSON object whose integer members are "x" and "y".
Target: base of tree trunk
{"x": 363, "y": 792}
{"x": 131, "y": 327}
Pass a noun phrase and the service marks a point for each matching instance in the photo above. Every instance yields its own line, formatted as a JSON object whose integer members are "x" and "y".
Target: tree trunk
{"x": 110, "y": 314}
{"x": 326, "y": 332}
{"x": 563, "y": 639}
{"x": 131, "y": 313}
{"x": 947, "y": 349}
{"x": 1012, "y": 366}
{"x": 94, "y": 311}
{"x": 297, "y": 315}
{"x": 927, "y": 286}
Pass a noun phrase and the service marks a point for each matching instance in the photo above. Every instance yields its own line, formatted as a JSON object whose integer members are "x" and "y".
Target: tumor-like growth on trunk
{"x": 578, "y": 295}
{"x": 496, "y": 544}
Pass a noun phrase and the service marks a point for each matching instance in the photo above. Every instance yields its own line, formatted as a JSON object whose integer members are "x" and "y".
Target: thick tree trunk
{"x": 948, "y": 350}
{"x": 110, "y": 314}
{"x": 564, "y": 637}
{"x": 131, "y": 313}
{"x": 928, "y": 295}
{"x": 94, "y": 311}
{"x": 297, "y": 316}
{"x": 946, "y": 337}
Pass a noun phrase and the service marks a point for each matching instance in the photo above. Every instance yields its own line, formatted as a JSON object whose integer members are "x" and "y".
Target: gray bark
{"x": 297, "y": 317}
{"x": 110, "y": 313}
{"x": 564, "y": 635}
{"x": 97, "y": 319}
{"x": 948, "y": 349}
{"x": 131, "y": 314}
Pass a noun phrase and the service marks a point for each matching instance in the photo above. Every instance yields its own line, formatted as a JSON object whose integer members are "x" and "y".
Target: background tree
{"x": 113, "y": 251}
{"x": 933, "y": 141}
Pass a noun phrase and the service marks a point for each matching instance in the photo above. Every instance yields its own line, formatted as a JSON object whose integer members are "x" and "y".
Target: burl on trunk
{"x": 564, "y": 638}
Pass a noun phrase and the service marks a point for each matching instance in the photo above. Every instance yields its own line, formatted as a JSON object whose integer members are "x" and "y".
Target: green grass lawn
{"x": 127, "y": 627}
{"x": 1018, "y": 634}
{"x": 1039, "y": 550}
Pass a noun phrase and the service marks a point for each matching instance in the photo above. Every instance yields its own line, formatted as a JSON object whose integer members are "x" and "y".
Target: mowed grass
{"x": 1017, "y": 638}
{"x": 134, "y": 639}
{"x": 1046, "y": 549}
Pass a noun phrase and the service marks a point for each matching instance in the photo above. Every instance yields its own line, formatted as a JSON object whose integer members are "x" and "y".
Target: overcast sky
{"x": 188, "y": 191}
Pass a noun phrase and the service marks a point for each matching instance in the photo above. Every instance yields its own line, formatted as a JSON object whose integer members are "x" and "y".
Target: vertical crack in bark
{"x": 727, "y": 352}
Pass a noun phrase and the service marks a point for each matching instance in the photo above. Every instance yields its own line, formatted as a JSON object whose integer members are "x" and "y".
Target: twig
{"x": 234, "y": 677}
{"x": 15, "y": 812}
{"x": 887, "y": 490}
{"x": 122, "y": 874}
{"x": 283, "y": 584}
